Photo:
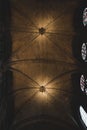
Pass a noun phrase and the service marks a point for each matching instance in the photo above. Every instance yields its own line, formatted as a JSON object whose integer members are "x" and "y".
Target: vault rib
{"x": 66, "y": 53}
{"x": 45, "y": 61}
{"x": 13, "y": 69}
{"x": 25, "y": 46}
{"x": 65, "y": 73}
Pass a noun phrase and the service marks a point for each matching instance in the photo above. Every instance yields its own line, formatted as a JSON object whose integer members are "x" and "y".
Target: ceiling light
{"x": 42, "y": 30}
{"x": 42, "y": 89}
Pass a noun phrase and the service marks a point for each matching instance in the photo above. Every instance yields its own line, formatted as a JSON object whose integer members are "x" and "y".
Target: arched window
{"x": 83, "y": 83}
{"x": 84, "y": 52}
{"x": 85, "y": 17}
{"x": 83, "y": 115}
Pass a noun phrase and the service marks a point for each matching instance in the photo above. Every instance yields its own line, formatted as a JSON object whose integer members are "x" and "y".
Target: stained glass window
{"x": 85, "y": 17}
{"x": 84, "y": 52}
{"x": 83, "y": 84}
{"x": 83, "y": 115}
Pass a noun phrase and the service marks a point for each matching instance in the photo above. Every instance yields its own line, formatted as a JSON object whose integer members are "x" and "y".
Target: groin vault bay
{"x": 43, "y": 64}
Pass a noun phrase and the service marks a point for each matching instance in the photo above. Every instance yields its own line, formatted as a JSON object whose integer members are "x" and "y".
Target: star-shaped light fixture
{"x": 42, "y": 89}
{"x": 42, "y": 31}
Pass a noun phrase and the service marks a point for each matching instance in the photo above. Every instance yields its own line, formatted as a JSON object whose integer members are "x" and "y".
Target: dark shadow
{"x": 45, "y": 126}
{"x": 7, "y": 102}
{"x": 43, "y": 122}
{"x": 5, "y": 54}
{"x": 10, "y": 99}
{"x": 5, "y": 37}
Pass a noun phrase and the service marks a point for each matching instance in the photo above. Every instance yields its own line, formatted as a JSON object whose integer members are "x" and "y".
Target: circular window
{"x": 83, "y": 84}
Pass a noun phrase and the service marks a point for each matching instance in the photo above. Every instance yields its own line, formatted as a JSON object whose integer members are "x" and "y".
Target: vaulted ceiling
{"x": 42, "y": 62}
